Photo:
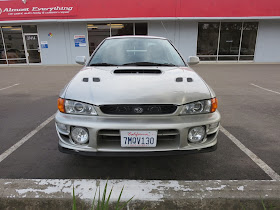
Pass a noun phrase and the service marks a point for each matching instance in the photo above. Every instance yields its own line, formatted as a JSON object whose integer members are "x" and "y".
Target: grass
{"x": 270, "y": 207}
{"x": 102, "y": 203}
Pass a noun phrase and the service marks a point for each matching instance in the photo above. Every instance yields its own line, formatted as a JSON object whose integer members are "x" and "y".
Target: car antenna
{"x": 165, "y": 30}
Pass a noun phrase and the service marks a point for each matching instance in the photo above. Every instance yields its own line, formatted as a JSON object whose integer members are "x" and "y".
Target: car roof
{"x": 132, "y": 36}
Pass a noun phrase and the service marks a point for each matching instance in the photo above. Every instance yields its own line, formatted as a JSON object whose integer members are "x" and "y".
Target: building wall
{"x": 165, "y": 29}
{"x": 63, "y": 10}
{"x": 187, "y": 38}
{"x": 76, "y": 29}
{"x": 61, "y": 49}
{"x": 268, "y": 41}
{"x": 56, "y": 52}
{"x": 183, "y": 34}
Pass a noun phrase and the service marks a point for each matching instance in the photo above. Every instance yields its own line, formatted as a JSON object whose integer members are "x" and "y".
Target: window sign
{"x": 44, "y": 44}
{"x": 31, "y": 37}
{"x": 80, "y": 40}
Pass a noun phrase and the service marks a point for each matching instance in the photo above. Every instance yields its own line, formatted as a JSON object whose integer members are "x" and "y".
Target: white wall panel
{"x": 61, "y": 49}
{"x": 56, "y": 52}
{"x": 188, "y": 38}
{"x": 76, "y": 29}
{"x": 268, "y": 41}
{"x": 182, "y": 33}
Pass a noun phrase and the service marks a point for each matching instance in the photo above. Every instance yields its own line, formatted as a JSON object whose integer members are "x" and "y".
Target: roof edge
{"x": 141, "y": 19}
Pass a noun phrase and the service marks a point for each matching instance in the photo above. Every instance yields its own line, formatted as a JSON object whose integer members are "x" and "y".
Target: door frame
{"x": 25, "y": 48}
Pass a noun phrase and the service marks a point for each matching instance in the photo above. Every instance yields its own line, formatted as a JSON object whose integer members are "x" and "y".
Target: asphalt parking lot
{"x": 249, "y": 102}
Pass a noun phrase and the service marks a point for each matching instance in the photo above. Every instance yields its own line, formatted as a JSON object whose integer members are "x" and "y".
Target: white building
{"x": 55, "y": 32}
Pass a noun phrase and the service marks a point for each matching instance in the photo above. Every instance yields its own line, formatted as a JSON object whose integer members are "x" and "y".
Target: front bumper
{"x": 135, "y": 154}
{"x": 174, "y": 127}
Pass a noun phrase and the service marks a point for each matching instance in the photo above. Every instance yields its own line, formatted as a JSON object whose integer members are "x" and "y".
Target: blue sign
{"x": 44, "y": 44}
{"x": 80, "y": 41}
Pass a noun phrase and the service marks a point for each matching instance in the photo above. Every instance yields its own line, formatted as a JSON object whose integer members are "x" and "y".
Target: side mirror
{"x": 81, "y": 60}
{"x": 192, "y": 60}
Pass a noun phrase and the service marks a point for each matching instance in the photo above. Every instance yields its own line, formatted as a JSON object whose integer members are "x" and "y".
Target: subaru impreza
{"x": 136, "y": 95}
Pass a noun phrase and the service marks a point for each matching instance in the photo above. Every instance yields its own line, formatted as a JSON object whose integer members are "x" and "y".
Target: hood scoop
{"x": 96, "y": 79}
{"x": 137, "y": 71}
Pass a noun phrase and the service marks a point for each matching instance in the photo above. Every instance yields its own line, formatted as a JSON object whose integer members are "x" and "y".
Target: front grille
{"x": 134, "y": 109}
{"x": 112, "y": 138}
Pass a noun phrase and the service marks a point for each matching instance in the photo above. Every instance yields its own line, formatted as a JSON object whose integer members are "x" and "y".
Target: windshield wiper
{"x": 148, "y": 64}
{"x": 102, "y": 64}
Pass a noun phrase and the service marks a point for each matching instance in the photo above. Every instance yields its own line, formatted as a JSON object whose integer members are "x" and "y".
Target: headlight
{"x": 75, "y": 107}
{"x": 201, "y": 107}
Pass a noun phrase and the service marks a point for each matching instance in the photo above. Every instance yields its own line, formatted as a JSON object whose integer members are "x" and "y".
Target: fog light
{"x": 79, "y": 135}
{"x": 196, "y": 134}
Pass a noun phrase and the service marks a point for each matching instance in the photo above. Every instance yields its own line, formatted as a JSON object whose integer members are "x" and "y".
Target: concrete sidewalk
{"x": 57, "y": 194}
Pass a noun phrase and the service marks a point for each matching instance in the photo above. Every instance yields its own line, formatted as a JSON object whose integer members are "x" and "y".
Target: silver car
{"x": 137, "y": 96}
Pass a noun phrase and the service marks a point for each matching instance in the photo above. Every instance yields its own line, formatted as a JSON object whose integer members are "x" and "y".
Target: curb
{"x": 154, "y": 194}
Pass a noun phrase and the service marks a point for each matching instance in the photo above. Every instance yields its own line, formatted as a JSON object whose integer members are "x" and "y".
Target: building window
{"x": 14, "y": 44}
{"x": 3, "y": 58}
{"x": 207, "y": 43}
{"x": 248, "y": 42}
{"x": 19, "y": 45}
{"x": 29, "y": 29}
{"x": 99, "y": 31}
{"x": 96, "y": 33}
{"x": 141, "y": 29}
{"x": 121, "y": 29}
{"x": 226, "y": 41}
{"x": 229, "y": 41}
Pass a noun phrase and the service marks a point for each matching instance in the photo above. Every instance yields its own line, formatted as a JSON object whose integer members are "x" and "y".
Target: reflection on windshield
{"x": 136, "y": 52}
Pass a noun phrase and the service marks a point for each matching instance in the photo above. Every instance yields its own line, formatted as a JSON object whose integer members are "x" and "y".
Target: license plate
{"x": 138, "y": 138}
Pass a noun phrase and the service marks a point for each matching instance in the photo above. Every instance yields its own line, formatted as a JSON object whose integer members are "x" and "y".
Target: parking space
{"x": 248, "y": 112}
{"x": 33, "y": 100}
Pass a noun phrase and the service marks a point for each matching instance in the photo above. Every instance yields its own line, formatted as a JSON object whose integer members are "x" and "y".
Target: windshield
{"x": 136, "y": 52}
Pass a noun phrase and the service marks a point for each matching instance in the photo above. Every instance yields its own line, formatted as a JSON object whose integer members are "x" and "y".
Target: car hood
{"x": 136, "y": 88}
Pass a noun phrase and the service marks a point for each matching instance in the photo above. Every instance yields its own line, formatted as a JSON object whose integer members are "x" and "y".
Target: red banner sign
{"x": 32, "y": 9}
{"x": 11, "y": 10}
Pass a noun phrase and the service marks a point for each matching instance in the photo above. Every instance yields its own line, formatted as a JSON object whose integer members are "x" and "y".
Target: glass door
{"x": 13, "y": 45}
{"x": 32, "y": 48}
{"x": 229, "y": 41}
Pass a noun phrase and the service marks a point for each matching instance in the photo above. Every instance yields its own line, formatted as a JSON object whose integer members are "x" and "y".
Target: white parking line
{"x": 24, "y": 139}
{"x": 269, "y": 171}
{"x": 265, "y": 89}
{"x": 8, "y": 87}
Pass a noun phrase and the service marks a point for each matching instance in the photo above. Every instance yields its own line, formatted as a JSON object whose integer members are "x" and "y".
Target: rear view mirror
{"x": 81, "y": 60}
{"x": 192, "y": 60}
